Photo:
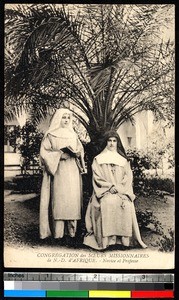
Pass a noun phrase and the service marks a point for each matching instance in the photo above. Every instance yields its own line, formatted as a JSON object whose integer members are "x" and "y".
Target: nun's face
{"x": 65, "y": 121}
{"x": 112, "y": 144}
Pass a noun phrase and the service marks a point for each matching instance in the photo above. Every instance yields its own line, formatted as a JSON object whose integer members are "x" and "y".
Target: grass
{"x": 21, "y": 223}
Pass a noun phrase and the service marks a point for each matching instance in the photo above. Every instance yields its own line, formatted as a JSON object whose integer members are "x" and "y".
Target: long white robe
{"x": 111, "y": 218}
{"x": 62, "y": 184}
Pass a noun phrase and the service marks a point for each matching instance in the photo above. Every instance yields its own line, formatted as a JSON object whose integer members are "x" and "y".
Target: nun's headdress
{"x": 55, "y": 127}
{"x": 120, "y": 148}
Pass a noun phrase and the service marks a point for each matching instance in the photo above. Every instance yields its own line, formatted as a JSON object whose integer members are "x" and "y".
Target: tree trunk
{"x": 93, "y": 148}
{"x": 96, "y": 144}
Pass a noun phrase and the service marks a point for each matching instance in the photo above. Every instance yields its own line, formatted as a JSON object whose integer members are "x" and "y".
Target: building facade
{"x": 135, "y": 135}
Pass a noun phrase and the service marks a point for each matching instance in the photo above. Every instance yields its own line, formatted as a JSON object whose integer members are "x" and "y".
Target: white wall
{"x": 11, "y": 164}
{"x": 139, "y": 132}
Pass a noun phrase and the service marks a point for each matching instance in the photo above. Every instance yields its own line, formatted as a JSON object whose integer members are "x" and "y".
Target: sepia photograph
{"x": 89, "y": 160}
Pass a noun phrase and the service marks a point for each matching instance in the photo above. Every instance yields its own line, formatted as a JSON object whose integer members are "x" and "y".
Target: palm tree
{"x": 109, "y": 61}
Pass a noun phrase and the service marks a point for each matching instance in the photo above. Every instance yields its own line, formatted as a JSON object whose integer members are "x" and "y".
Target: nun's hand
{"x": 113, "y": 190}
{"x": 64, "y": 156}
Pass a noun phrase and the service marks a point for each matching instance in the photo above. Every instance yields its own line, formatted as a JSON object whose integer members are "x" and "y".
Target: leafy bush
{"x": 30, "y": 146}
{"x": 147, "y": 219}
{"x": 161, "y": 184}
{"x": 13, "y": 136}
{"x": 27, "y": 183}
{"x": 140, "y": 161}
{"x": 26, "y": 140}
{"x": 142, "y": 183}
{"x": 167, "y": 242}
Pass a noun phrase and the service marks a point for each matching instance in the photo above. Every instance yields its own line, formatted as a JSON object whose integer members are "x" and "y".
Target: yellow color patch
{"x": 109, "y": 294}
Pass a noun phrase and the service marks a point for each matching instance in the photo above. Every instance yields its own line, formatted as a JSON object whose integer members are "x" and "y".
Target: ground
{"x": 21, "y": 220}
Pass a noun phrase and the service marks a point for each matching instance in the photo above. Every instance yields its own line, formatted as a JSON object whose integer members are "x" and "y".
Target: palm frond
{"x": 110, "y": 61}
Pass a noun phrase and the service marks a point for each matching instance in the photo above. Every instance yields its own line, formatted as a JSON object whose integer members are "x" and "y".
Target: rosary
{"x": 113, "y": 169}
{"x": 122, "y": 205}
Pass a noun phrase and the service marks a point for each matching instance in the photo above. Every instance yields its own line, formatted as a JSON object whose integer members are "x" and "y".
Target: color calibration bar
{"x": 88, "y": 294}
{"x": 71, "y": 285}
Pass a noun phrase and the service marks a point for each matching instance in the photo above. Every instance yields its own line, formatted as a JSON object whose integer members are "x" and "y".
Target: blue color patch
{"x": 24, "y": 293}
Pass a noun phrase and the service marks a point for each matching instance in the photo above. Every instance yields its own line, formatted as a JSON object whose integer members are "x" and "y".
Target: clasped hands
{"x": 113, "y": 190}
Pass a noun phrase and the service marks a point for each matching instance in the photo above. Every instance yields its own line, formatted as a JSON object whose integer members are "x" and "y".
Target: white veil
{"x": 67, "y": 135}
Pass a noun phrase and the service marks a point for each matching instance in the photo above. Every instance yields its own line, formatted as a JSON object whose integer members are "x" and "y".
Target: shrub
{"x": 147, "y": 219}
{"x": 142, "y": 183}
{"x": 30, "y": 146}
{"x": 167, "y": 242}
{"x": 144, "y": 218}
{"x": 13, "y": 136}
{"x": 139, "y": 162}
{"x": 28, "y": 183}
{"x": 26, "y": 140}
{"x": 161, "y": 184}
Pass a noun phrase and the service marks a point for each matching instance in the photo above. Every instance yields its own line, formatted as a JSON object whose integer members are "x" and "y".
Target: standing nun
{"x": 110, "y": 216}
{"x": 62, "y": 156}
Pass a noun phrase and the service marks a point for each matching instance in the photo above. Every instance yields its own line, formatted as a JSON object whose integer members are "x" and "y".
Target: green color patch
{"x": 67, "y": 294}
